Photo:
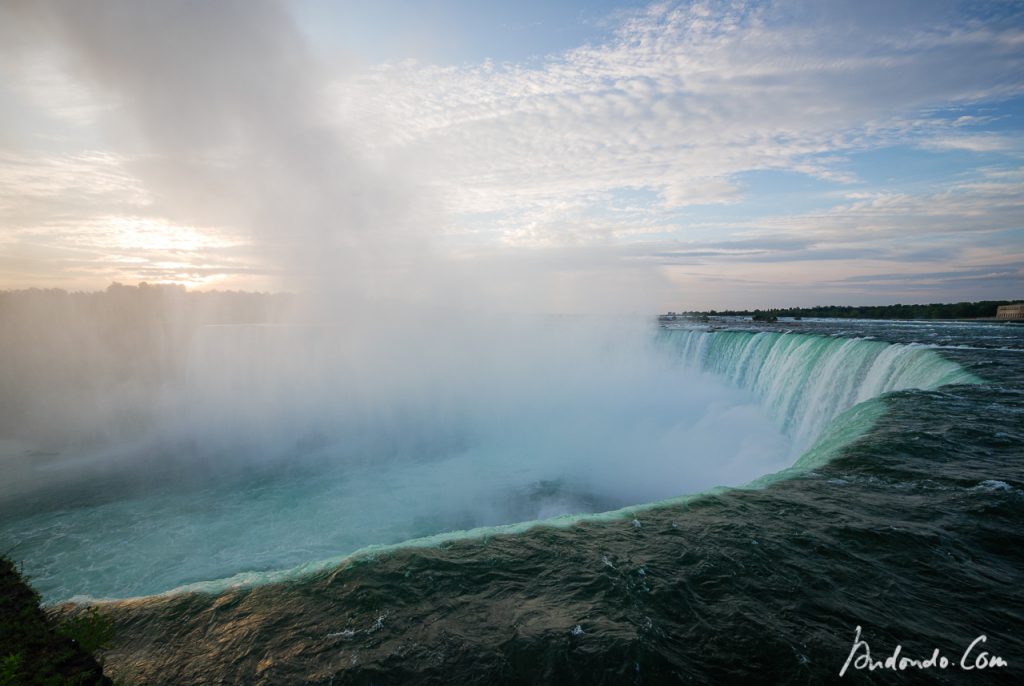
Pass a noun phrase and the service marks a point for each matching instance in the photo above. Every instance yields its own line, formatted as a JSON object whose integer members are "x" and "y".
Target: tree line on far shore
{"x": 961, "y": 310}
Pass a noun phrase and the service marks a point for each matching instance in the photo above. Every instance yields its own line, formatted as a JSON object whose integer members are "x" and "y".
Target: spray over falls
{"x": 299, "y": 446}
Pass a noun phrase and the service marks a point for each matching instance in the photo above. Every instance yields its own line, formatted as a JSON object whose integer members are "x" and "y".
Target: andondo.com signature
{"x": 973, "y": 658}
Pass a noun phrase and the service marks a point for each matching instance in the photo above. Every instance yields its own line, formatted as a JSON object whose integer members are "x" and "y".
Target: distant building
{"x": 1014, "y": 311}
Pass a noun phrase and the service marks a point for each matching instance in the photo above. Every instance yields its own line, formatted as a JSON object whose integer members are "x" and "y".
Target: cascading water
{"x": 330, "y": 450}
{"x": 806, "y": 381}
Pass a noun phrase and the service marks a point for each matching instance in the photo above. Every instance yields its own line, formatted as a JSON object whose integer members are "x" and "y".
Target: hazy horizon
{"x": 184, "y": 289}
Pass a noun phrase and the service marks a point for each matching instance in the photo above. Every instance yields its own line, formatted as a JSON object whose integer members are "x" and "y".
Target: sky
{"x": 577, "y": 155}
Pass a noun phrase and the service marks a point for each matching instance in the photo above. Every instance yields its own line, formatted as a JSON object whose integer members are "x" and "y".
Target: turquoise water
{"x": 705, "y": 409}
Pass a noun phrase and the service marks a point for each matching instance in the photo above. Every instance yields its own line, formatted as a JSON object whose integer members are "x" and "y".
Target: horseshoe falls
{"x": 806, "y": 381}
{"x": 602, "y": 501}
{"x": 287, "y": 449}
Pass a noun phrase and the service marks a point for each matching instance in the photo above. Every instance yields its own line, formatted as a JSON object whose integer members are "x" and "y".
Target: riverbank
{"x": 34, "y": 651}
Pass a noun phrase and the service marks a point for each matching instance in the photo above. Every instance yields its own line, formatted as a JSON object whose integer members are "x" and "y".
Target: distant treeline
{"x": 962, "y": 310}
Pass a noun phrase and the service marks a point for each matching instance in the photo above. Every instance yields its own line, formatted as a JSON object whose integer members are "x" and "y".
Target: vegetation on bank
{"x": 36, "y": 649}
{"x": 961, "y": 310}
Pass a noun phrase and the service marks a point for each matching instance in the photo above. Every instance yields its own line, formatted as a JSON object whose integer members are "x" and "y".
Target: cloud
{"x": 986, "y": 142}
{"x": 683, "y": 99}
{"x": 218, "y": 119}
{"x": 38, "y": 188}
{"x": 992, "y": 201}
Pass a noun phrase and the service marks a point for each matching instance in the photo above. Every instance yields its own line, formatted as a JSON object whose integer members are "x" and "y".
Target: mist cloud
{"x": 221, "y": 105}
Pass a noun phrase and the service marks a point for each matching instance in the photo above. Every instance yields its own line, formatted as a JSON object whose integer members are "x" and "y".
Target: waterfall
{"x": 295, "y": 447}
{"x": 806, "y": 381}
